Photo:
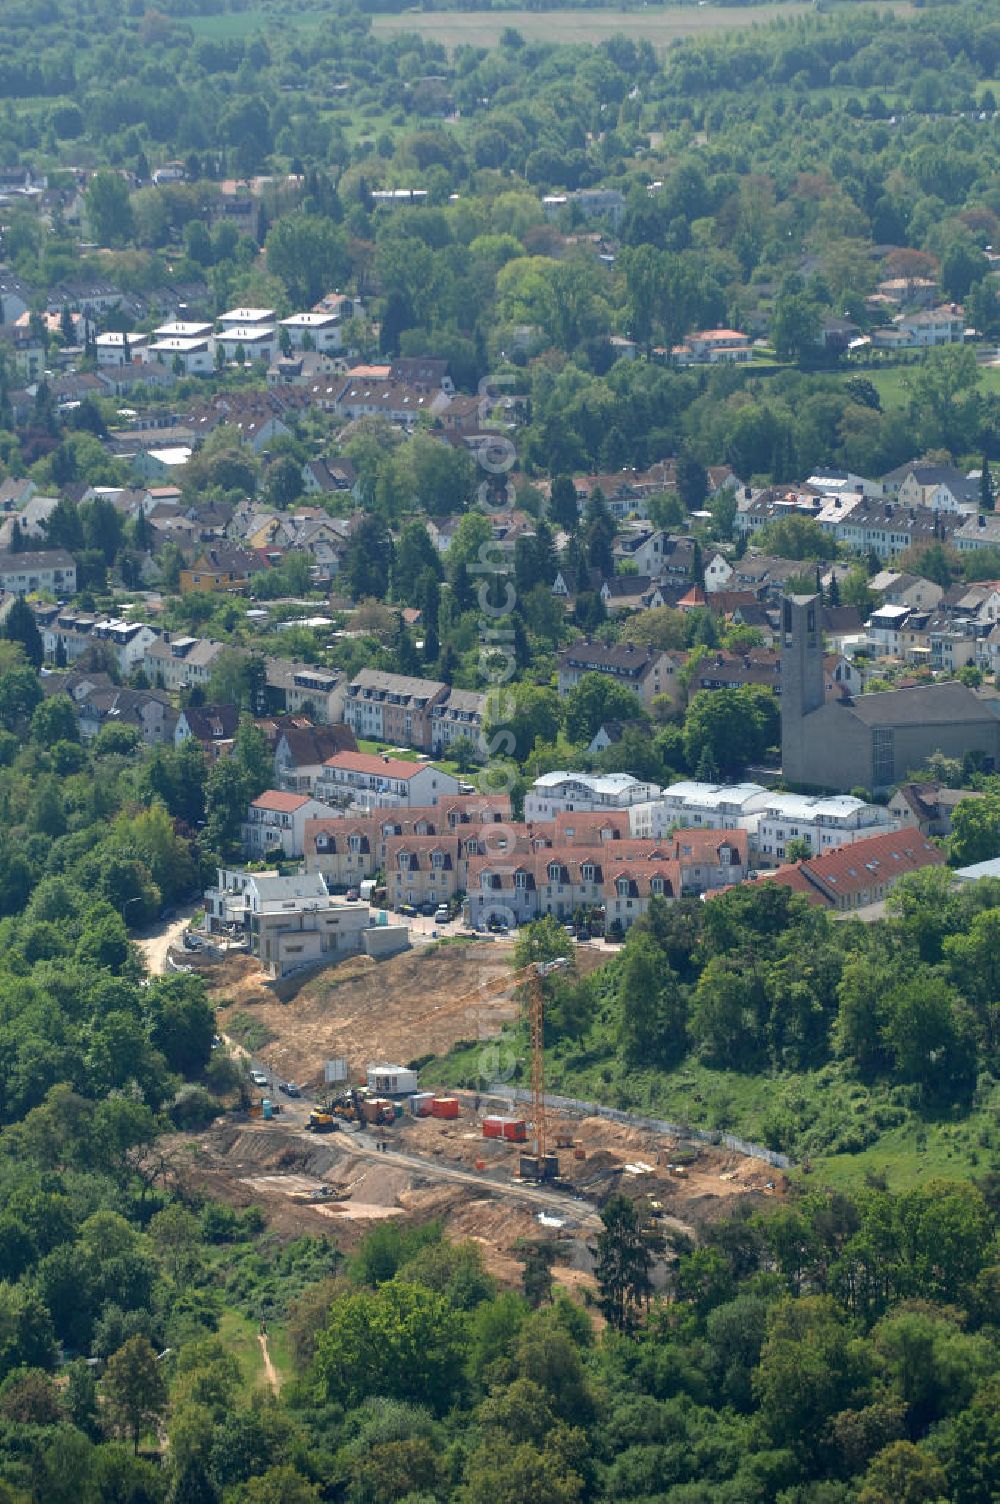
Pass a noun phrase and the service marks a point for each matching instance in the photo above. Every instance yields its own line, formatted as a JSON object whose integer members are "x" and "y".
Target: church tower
{"x": 801, "y": 680}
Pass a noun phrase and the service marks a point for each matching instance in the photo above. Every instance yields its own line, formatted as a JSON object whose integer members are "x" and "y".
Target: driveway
{"x": 155, "y": 943}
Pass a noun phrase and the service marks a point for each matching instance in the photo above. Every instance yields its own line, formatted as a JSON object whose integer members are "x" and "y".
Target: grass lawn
{"x": 239, "y": 1334}
{"x": 891, "y": 383}
{"x": 660, "y": 25}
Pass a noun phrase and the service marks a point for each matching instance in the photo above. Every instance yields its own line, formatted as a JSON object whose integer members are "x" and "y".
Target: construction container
{"x": 480, "y": 1164}
{"x": 392, "y": 1080}
{"x": 378, "y": 1110}
{"x": 397, "y": 1110}
{"x": 444, "y": 1107}
{"x": 515, "y": 1130}
{"x": 493, "y": 1127}
{"x": 420, "y": 1104}
{"x": 266, "y": 1110}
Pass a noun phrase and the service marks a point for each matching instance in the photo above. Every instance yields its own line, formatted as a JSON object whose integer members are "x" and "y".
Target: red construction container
{"x": 444, "y": 1107}
{"x": 515, "y": 1130}
{"x": 493, "y": 1127}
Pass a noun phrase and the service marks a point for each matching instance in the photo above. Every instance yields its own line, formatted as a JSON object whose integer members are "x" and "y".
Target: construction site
{"x": 366, "y": 1140}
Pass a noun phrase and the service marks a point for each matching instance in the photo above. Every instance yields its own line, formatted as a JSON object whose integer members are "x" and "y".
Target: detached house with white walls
{"x": 275, "y": 824}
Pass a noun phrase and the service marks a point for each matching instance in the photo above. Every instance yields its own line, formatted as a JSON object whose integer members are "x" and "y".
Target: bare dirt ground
{"x": 399, "y": 1010}
{"x": 368, "y": 1010}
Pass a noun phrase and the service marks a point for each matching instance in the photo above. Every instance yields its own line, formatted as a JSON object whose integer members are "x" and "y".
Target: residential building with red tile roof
{"x": 851, "y": 877}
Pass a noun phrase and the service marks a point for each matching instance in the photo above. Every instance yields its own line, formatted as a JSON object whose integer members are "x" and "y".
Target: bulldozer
{"x": 321, "y": 1121}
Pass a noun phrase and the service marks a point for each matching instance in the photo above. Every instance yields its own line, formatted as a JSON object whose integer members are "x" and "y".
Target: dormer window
{"x": 656, "y": 886}
{"x": 555, "y": 872}
{"x": 520, "y": 879}
{"x": 588, "y": 872}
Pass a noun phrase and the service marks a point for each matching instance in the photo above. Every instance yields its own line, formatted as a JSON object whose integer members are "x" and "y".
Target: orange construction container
{"x": 493, "y": 1127}
{"x": 515, "y": 1130}
{"x": 444, "y": 1107}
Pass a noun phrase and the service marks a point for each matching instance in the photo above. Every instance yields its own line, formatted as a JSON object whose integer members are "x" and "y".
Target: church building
{"x": 874, "y": 741}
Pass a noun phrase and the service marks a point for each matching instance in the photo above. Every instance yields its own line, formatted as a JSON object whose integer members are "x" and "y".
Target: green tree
{"x": 54, "y": 720}
{"x": 975, "y": 830}
{"x": 20, "y": 626}
{"x": 623, "y": 1261}
{"x": 809, "y": 1370}
{"x": 595, "y": 699}
{"x": 135, "y": 1394}
{"x": 309, "y": 254}
{"x": 109, "y": 210}
{"x": 652, "y": 1004}
{"x": 398, "y": 1342}
{"x": 903, "y": 1474}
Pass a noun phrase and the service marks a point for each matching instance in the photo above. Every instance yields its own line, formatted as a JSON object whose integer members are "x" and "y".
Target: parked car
{"x": 191, "y": 941}
{"x": 442, "y": 914}
{"x": 427, "y": 909}
{"x": 290, "y": 1089}
{"x": 351, "y": 895}
{"x": 259, "y": 1079}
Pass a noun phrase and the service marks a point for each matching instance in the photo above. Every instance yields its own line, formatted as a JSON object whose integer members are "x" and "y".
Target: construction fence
{"x": 659, "y": 1125}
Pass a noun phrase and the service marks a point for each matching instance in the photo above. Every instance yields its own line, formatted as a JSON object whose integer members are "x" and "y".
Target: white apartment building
{"x": 24, "y": 573}
{"x": 195, "y": 355}
{"x": 825, "y": 823}
{"x": 115, "y": 349}
{"x": 69, "y": 635}
{"x": 323, "y": 329}
{"x": 770, "y": 819}
{"x": 714, "y": 806}
{"x": 553, "y": 793}
{"x": 256, "y": 341}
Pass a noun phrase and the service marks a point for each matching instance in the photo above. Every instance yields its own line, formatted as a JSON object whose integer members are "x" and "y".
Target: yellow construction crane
{"x": 541, "y": 1164}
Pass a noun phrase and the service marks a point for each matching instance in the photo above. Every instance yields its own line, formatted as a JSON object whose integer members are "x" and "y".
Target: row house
{"x": 24, "y": 573}
{"x": 530, "y": 885}
{"x": 648, "y": 672}
{"x": 295, "y": 688}
{"x": 459, "y": 714}
{"x": 886, "y": 529}
{"x": 853, "y": 877}
{"x": 369, "y": 781}
{"x": 347, "y": 850}
{"x": 275, "y": 824}
{"x": 181, "y": 662}
{"x": 981, "y": 531}
{"x": 147, "y": 710}
{"x": 396, "y": 708}
{"x": 428, "y": 869}
{"x": 362, "y": 397}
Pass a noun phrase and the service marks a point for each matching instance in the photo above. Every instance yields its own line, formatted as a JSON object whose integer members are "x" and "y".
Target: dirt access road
{"x": 161, "y": 939}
